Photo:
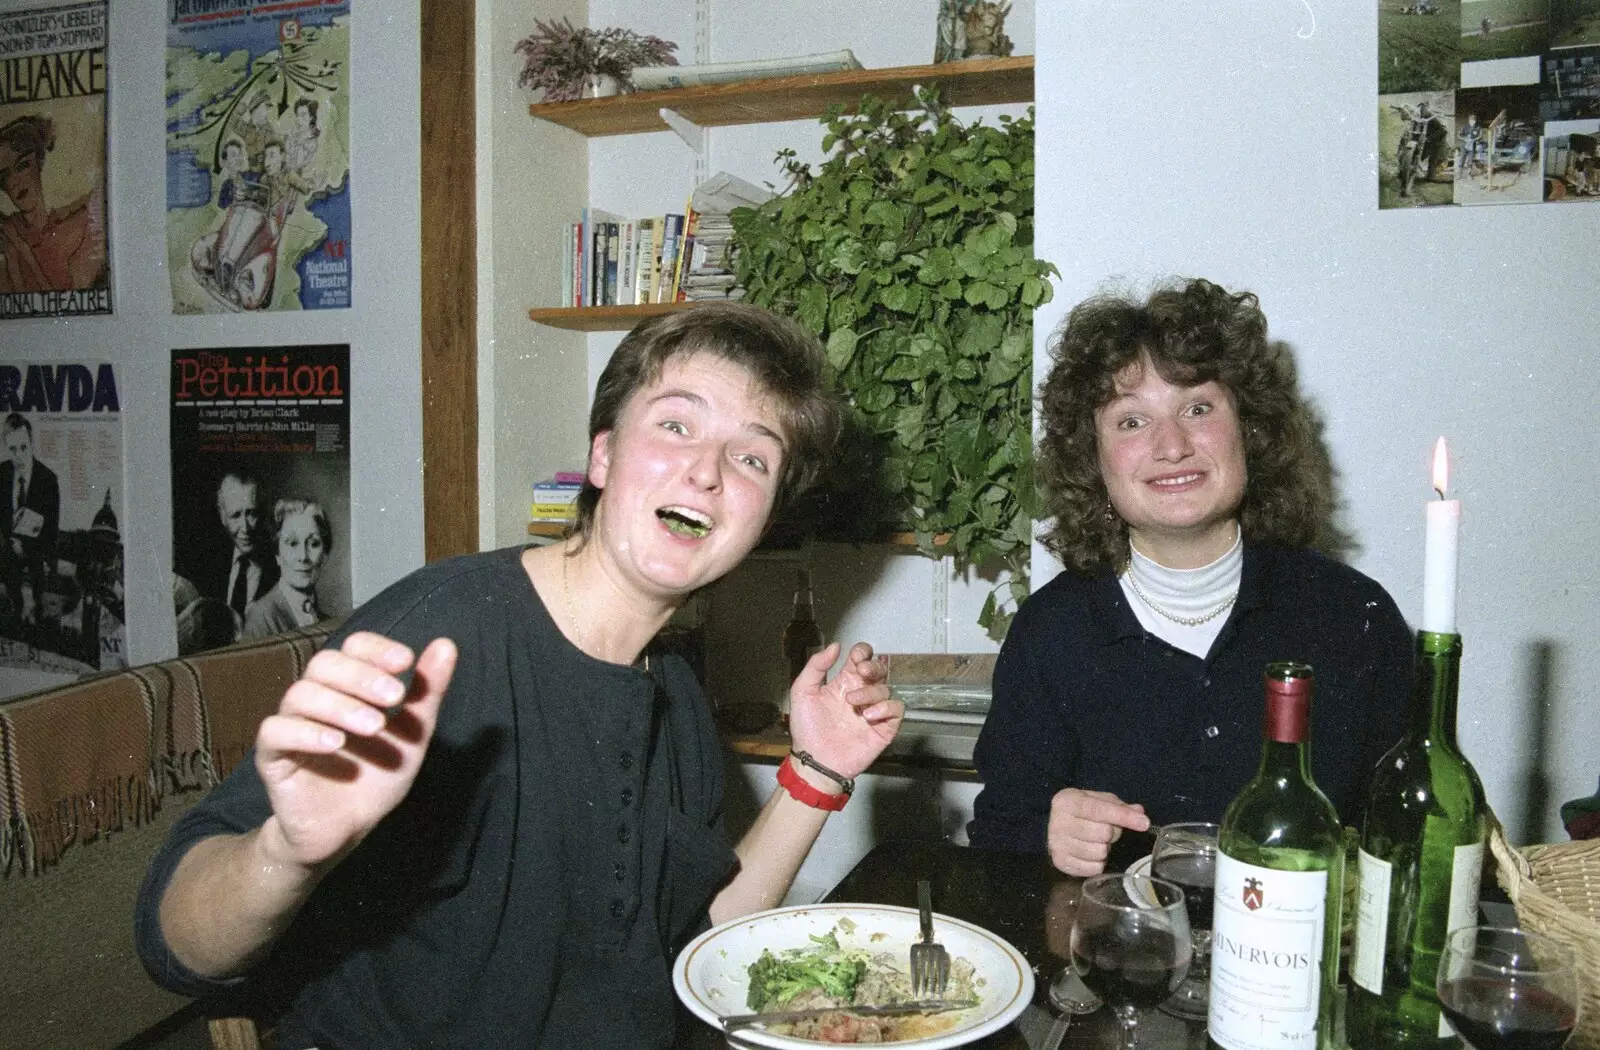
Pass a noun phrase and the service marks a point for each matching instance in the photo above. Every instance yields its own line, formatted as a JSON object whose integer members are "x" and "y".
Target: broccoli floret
{"x": 776, "y": 979}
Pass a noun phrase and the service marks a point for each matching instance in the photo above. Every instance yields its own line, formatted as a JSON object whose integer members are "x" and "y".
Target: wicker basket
{"x": 1556, "y": 890}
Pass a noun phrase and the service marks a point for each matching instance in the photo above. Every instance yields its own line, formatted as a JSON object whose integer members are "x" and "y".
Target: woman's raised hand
{"x": 847, "y": 722}
{"x": 346, "y": 744}
{"x": 1084, "y": 824}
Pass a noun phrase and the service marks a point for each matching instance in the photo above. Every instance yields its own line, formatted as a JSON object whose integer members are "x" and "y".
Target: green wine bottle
{"x": 1422, "y": 839}
{"x": 1279, "y": 884}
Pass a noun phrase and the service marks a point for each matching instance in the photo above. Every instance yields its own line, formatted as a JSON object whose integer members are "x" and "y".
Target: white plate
{"x": 711, "y": 975}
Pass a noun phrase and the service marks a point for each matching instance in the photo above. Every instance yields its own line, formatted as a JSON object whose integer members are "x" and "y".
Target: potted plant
{"x": 910, "y": 252}
{"x": 564, "y": 62}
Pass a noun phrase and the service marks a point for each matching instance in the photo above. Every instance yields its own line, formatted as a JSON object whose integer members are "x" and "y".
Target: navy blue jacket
{"x": 1085, "y": 697}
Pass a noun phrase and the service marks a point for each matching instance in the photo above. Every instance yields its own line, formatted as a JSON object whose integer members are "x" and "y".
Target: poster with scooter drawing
{"x": 258, "y": 165}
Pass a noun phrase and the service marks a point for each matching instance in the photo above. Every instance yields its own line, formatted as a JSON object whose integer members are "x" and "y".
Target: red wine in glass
{"x": 1195, "y": 873}
{"x": 1494, "y": 1014}
{"x": 1141, "y": 975}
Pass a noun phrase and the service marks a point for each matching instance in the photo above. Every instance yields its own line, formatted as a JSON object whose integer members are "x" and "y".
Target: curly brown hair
{"x": 1192, "y": 332}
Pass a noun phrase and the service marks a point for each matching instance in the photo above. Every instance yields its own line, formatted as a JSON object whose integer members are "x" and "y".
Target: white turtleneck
{"x": 1186, "y": 593}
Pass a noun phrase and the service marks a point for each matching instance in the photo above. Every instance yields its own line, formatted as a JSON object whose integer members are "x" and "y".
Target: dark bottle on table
{"x": 801, "y": 636}
{"x": 1421, "y": 860}
{"x": 1280, "y": 877}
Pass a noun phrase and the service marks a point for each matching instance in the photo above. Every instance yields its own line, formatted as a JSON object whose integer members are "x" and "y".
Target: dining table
{"x": 1020, "y": 897}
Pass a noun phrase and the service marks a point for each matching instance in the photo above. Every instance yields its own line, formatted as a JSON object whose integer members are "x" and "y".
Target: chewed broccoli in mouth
{"x": 682, "y": 521}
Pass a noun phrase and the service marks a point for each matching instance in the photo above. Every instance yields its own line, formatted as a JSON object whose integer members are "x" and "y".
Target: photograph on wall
{"x": 1499, "y": 157}
{"x": 260, "y": 491}
{"x": 1419, "y": 45}
{"x": 1416, "y": 164}
{"x": 1574, "y": 23}
{"x": 1569, "y": 87}
{"x": 1492, "y": 29}
{"x": 61, "y": 501}
{"x": 1571, "y": 168}
{"x": 54, "y": 258}
{"x": 258, "y": 164}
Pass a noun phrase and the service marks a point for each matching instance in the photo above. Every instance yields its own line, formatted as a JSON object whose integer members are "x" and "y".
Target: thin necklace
{"x": 1187, "y": 621}
{"x": 572, "y": 612}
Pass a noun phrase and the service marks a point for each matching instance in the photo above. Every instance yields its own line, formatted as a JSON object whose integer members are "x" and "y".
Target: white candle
{"x": 1440, "y": 557}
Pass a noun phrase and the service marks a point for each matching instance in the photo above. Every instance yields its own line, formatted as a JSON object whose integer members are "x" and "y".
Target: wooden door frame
{"x": 449, "y": 279}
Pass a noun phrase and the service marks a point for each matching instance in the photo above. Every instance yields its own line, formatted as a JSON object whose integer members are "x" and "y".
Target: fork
{"x": 930, "y": 963}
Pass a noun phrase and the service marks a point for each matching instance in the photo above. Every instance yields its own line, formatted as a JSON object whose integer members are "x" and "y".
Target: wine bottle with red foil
{"x": 1279, "y": 884}
{"x": 1423, "y": 831}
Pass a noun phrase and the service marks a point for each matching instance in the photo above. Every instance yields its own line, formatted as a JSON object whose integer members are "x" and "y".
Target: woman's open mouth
{"x": 686, "y": 522}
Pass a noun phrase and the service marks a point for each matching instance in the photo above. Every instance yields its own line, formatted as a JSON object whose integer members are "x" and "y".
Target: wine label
{"x": 1466, "y": 876}
{"x": 1266, "y": 956}
{"x": 1372, "y": 923}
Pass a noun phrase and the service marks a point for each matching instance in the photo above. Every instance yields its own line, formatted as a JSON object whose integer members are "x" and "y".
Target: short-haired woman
{"x": 1190, "y": 490}
{"x": 516, "y": 863}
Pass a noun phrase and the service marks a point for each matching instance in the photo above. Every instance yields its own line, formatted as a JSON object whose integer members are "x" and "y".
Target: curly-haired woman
{"x": 1190, "y": 490}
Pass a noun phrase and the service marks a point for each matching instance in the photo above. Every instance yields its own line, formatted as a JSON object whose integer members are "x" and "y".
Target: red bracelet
{"x": 796, "y": 786}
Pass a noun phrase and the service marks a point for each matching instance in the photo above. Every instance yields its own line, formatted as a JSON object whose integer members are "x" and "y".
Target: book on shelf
{"x": 644, "y": 234}
{"x": 691, "y": 219}
{"x": 554, "y": 515}
{"x": 552, "y": 494}
{"x": 627, "y": 265}
{"x": 655, "y": 78}
{"x": 570, "y": 477}
{"x": 662, "y": 291}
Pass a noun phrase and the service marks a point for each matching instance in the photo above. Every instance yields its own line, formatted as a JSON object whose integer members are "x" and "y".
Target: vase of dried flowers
{"x": 562, "y": 62}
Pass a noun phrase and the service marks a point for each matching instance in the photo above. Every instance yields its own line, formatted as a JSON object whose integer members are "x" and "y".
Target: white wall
{"x": 533, "y": 384}
{"x": 1236, "y": 140}
{"x": 382, "y": 326}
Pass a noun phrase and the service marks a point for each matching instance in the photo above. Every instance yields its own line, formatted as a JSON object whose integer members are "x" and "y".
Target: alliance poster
{"x": 54, "y": 260}
{"x": 260, "y": 491}
{"x": 258, "y": 163}
{"x": 61, "y": 564}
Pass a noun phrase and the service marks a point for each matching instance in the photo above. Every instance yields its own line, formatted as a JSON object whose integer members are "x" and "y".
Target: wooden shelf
{"x": 550, "y": 530}
{"x": 972, "y": 82}
{"x": 603, "y": 318}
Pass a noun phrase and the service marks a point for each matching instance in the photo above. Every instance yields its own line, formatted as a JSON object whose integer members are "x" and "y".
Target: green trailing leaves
{"x": 909, "y": 250}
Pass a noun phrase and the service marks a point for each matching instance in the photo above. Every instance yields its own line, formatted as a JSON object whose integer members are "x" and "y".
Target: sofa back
{"x": 91, "y": 776}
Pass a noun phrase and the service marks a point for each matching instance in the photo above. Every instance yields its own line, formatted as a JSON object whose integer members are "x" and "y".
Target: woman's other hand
{"x": 1084, "y": 824}
{"x": 346, "y": 744}
{"x": 847, "y": 722}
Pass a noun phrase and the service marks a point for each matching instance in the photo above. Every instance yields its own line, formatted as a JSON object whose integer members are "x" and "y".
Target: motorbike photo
{"x": 1421, "y": 147}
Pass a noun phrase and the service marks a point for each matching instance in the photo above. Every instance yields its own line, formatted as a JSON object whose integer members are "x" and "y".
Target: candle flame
{"x": 1441, "y": 468}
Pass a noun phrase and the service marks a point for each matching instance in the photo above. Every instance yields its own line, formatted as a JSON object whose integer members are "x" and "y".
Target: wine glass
{"x": 1508, "y": 989}
{"x": 1187, "y": 854}
{"x": 1130, "y": 944}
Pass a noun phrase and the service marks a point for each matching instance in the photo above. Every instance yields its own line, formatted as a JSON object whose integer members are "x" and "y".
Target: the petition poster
{"x": 54, "y": 260}
{"x": 258, "y": 163}
{"x": 260, "y": 491}
{"x": 61, "y": 504}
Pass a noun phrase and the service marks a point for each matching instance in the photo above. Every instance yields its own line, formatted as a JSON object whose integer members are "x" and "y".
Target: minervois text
{"x": 1277, "y": 960}
{"x": 211, "y": 375}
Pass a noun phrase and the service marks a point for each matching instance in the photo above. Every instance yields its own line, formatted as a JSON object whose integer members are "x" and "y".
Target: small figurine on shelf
{"x": 972, "y": 29}
{"x": 565, "y": 62}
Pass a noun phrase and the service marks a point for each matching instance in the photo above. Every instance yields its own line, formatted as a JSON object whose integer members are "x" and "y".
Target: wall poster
{"x": 1488, "y": 101}
{"x": 258, "y": 162}
{"x": 54, "y": 260}
{"x": 260, "y": 491}
{"x": 61, "y": 565}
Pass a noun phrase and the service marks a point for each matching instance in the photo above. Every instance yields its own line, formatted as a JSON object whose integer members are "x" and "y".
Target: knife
{"x": 926, "y": 1006}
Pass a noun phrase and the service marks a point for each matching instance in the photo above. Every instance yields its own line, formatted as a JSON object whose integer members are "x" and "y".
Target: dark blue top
{"x": 561, "y": 842}
{"x": 1085, "y": 697}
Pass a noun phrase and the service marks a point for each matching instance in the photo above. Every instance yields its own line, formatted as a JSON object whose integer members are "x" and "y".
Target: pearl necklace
{"x": 1186, "y": 621}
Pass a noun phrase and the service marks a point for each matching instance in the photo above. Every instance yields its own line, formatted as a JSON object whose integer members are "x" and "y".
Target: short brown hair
{"x": 783, "y": 358}
{"x": 1192, "y": 332}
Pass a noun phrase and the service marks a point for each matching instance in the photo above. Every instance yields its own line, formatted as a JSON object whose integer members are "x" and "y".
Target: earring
{"x": 1111, "y": 515}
